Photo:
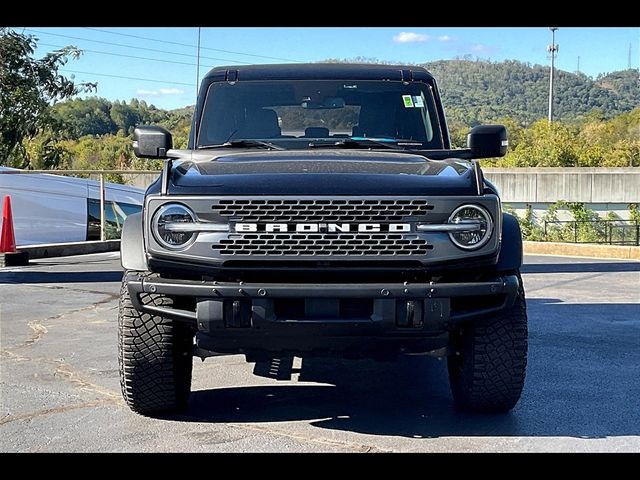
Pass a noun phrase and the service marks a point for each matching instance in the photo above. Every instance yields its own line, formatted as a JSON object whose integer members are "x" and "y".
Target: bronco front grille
{"x": 327, "y": 244}
{"x": 319, "y": 210}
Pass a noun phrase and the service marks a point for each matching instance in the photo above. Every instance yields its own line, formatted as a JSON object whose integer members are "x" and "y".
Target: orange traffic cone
{"x": 7, "y": 238}
{"x": 9, "y": 257}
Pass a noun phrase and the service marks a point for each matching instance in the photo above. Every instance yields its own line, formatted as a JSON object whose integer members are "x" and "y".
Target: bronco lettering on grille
{"x": 321, "y": 227}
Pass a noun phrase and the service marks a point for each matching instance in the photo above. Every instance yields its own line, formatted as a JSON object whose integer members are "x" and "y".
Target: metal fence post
{"x": 102, "y": 215}
{"x": 546, "y": 239}
{"x": 638, "y": 234}
{"x": 575, "y": 232}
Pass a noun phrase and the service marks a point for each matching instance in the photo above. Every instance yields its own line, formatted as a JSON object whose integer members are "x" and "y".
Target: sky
{"x": 164, "y": 70}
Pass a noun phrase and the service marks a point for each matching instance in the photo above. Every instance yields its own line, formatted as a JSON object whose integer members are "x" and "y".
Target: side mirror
{"x": 486, "y": 141}
{"x": 151, "y": 142}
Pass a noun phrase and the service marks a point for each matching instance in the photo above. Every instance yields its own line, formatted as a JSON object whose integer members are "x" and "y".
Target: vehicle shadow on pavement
{"x": 581, "y": 267}
{"x": 407, "y": 398}
{"x": 583, "y": 381}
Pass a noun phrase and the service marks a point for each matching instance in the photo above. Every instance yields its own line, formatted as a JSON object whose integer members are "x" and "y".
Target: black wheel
{"x": 155, "y": 356}
{"x": 487, "y": 369}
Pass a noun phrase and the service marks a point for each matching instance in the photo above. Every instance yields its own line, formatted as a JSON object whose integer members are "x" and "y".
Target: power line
{"x": 125, "y": 77}
{"x": 133, "y": 46}
{"x": 191, "y": 46}
{"x": 121, "y": 55}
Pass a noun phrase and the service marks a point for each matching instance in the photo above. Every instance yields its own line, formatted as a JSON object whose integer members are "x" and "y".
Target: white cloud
{"x": 411, "y": 37}
{"x": 444, "y": 38}
{"x": 171, "y": 91}
{"x": 482, "y": 49}
{"x": 161, "y": 91}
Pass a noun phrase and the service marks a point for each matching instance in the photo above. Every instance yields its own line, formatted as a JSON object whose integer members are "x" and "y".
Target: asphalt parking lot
{"x": 60, "y": 390}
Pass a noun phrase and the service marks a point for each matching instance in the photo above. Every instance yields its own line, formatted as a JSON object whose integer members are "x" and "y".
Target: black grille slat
{"x": 323, "y": 244}
{"x": 320, "y": 210}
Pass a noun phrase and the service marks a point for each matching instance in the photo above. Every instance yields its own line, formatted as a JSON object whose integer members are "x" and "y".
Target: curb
{"x": 622, "y": 252}
{"x": 14, "y": 259}
{"x": 69, "y": 249}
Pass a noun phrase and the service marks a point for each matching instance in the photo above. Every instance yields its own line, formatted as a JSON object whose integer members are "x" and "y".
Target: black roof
{"x": 320, "y": 71}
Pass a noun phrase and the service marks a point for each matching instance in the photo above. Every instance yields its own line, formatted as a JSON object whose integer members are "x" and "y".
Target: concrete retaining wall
{"x": 141, "y": 181}
{"x": 548, "y": 185}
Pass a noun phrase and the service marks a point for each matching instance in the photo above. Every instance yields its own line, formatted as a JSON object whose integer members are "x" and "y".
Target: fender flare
{"x": 510, "y": 258}
{"x": 132, "y": 255}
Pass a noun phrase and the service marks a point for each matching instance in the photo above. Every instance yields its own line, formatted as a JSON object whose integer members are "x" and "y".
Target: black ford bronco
{"x": 320, "y": 210}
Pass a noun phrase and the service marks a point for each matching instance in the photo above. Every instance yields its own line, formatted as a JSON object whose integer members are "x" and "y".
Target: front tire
{"x": 487, "y": 370}
{"x": 155, "y": 356}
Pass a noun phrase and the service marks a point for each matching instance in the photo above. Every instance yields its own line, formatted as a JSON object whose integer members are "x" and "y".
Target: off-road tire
{"x": 155, "y": 356}
{"x": 487, "y": 367}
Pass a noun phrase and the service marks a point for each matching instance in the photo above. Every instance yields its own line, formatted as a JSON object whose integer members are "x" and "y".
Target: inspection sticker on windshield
{"x": 418, "y": 102}
{"x": 408, "y": 101}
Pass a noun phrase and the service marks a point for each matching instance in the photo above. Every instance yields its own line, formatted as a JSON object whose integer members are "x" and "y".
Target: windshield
{"x": 295, "y": 114}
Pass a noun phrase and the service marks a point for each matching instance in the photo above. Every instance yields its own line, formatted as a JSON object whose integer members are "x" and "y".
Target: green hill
{"x": 478, "y": 91}
{"x": 473, "y": 91}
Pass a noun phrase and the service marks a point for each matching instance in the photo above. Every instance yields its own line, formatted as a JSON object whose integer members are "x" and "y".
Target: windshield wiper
{"x": 359, "y": 143}
{"x": 246, "y": 143}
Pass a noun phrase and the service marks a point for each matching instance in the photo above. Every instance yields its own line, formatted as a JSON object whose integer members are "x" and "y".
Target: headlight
{"x": 168, "y": 226}
{"x": 480, "y": 226}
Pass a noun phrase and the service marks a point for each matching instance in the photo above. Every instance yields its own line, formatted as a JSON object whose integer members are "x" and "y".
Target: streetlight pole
{"x": 553, "y": 48}
{"x": 198, "y": 65}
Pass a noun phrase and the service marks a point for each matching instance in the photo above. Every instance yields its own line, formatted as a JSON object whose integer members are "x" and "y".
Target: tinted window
{"x": 115, "y": 215}
{"x": 290, "y": 112}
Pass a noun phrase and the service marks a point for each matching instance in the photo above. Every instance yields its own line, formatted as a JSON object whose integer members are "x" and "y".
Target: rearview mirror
{"x": 151, "y": 142}
{"x": 486, "y": 141}
{"x": 328, "y": 103}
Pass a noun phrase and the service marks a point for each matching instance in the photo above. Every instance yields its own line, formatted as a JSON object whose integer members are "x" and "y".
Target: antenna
{"x": 198, "y": 66}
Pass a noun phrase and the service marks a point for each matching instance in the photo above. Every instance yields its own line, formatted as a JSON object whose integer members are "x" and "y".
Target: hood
{"x": 320, "y": 172}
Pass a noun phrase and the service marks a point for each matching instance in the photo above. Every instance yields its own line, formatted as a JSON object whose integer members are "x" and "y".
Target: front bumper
{"x": 234, "y": 317}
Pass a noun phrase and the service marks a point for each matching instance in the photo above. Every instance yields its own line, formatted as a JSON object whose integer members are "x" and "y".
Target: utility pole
{"x": 552, "y": 49}
{"x": 198, "y": 66}
{"x": 578, "y": 64}
{"x": 629, "y": 58}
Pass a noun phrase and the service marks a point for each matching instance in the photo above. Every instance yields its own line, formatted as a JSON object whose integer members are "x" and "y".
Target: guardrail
{"x": 612, "y": 232}
{"x": 99, "y": 173}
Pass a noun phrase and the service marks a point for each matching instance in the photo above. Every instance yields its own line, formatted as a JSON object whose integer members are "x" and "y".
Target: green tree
{"x": 124, "y": 116}
{"x": 109, "y": 152}
{"x": 85, "y": 116}
{"x": 544, "y": 144}
{"x": 45, "y": 151}
{"x": 634, "y": 212}
{"x": 28, "y": 87}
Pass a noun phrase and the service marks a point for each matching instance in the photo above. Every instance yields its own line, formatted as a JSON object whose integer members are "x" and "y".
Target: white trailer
{"x": 54, "y": 208}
